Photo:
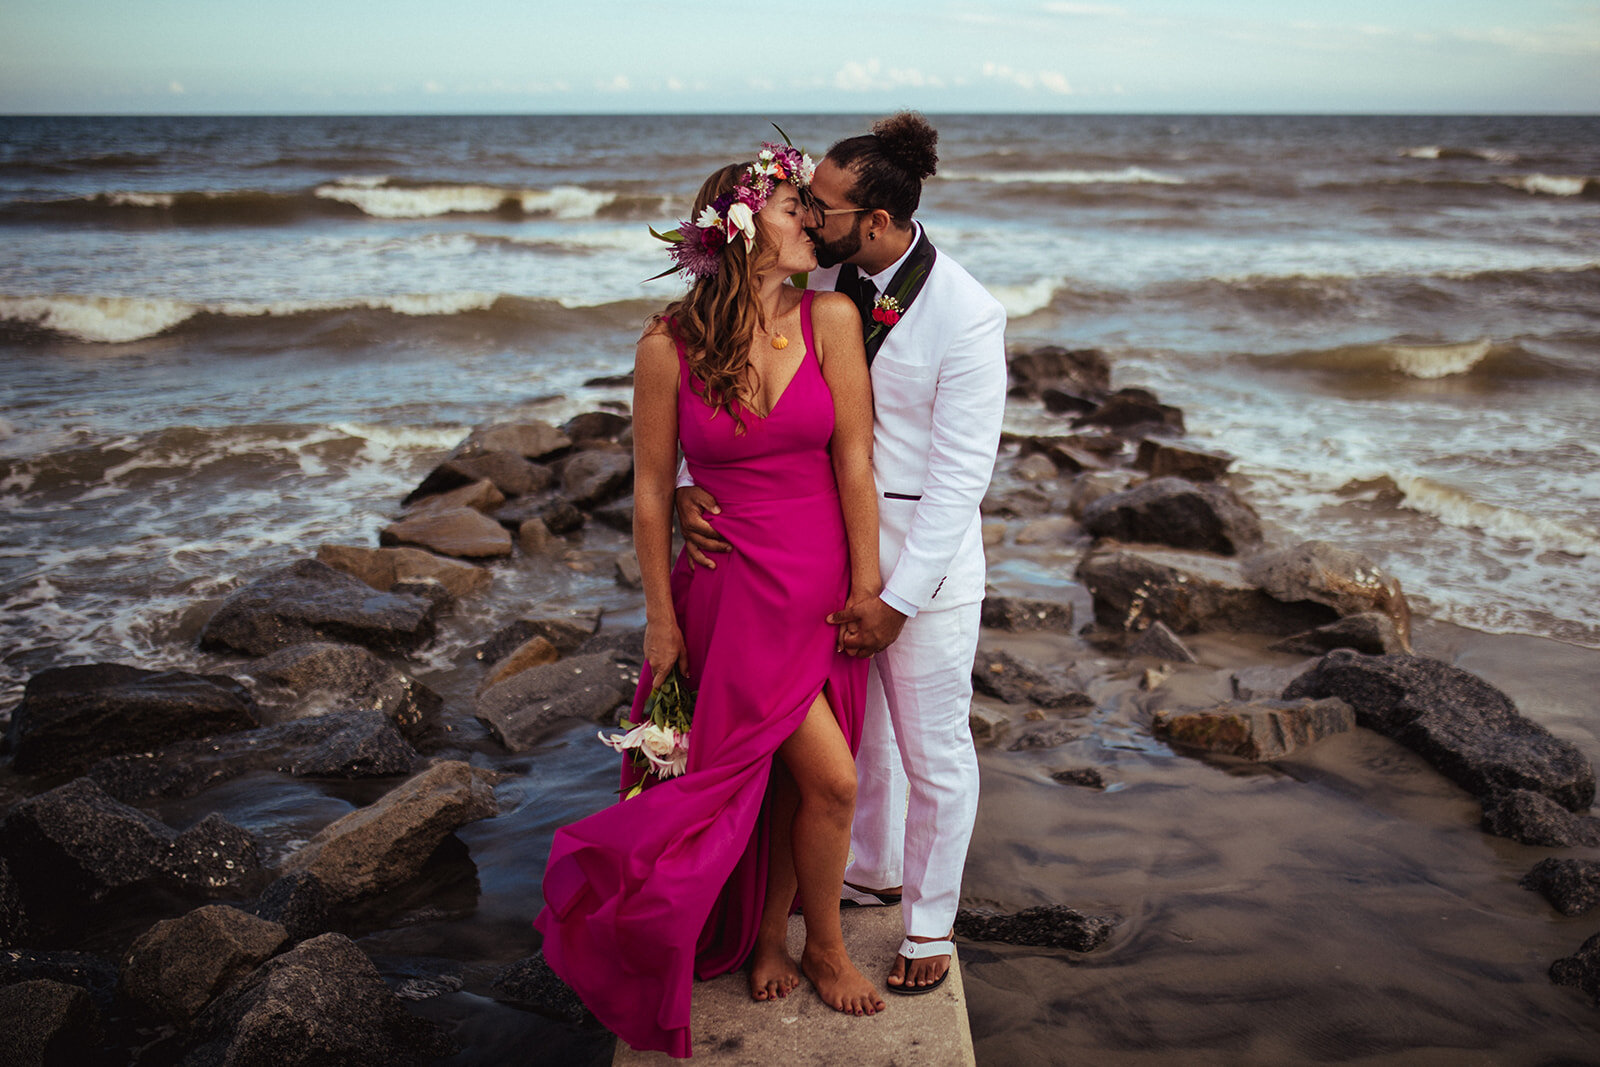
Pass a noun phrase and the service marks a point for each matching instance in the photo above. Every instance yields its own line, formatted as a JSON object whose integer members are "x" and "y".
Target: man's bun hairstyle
{"x": 891, "y": 163}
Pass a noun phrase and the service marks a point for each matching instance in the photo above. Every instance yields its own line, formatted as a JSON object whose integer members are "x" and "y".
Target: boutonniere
{"x": 887, "y": 309}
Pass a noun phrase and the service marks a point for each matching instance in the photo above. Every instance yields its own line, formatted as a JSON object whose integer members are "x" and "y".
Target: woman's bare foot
{"x": 773, "y": 973}
{"x": 839, "y": 984}
{"x": 920, "y": 972}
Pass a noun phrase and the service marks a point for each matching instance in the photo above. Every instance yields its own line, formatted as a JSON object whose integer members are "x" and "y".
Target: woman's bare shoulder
{"x": 833, "y": 308}
{"x": 656, "y": 349}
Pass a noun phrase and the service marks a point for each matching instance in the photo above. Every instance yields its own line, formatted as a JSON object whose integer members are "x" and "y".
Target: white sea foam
{"x": 1433, "y": 151}
{"x": 106, "y": 319}
{"x": 1020, "y": 301}
{"x": 1125, "y": 176}
{"x": 1456, "y": 508}
{"x": 141, "y": 199}
{"x": 1548, "y": 184}
{"x": 1436, "y": 361}
{"x": 429, "y": 201}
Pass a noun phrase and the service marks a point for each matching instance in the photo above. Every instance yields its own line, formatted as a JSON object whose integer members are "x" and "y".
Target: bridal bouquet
{"x": 660, "y": 744}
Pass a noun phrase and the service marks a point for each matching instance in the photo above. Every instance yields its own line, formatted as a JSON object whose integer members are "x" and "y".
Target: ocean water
{"x": 226, "y": 341}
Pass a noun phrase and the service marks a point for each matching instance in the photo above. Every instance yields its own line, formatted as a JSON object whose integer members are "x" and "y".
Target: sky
{"x": 869, "y": 56}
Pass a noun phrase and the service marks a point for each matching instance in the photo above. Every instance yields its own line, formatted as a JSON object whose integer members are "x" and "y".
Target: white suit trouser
{"x": 916, "y": 735}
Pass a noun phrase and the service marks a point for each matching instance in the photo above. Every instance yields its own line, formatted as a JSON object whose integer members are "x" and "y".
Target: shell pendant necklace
{"x": 779, "y": 341}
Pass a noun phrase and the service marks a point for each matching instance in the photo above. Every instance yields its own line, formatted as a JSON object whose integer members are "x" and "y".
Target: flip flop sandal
{"x": 851, "y": 897}
{"x": 916, "y": 950}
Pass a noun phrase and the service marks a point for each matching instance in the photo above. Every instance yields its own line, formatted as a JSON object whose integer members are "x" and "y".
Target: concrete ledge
{"x": 800, "y": 1030}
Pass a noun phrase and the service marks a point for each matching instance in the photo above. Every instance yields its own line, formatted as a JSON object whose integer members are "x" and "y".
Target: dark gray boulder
{"x": 213, "y": 856}
{"x": 525, "y": 707}
{"x": 532, "y": 440}
{"x": 1346, "y": 581}
{"x": 71, "y": 716}
{"x": 1047, "y": 926}
{"x": 566, "y": 633}
{"x": 1159, "y": 642}
{"x": 562, "y": 517}
{"x": 367, "y": 745}
{"x": 1535, "y": 819}
{"x": 531, "y": 983}
{"x": 1087, "y": 777}
{"x": 386, "y": 568}
{"x": 93, "y": 974}
{"x": 592, "y": 426}
{"x": 1371, "y": 632}
{"x": 1082, "y": 370}
{"x": 1581, "y": 969}
{"x": 320, "y": 676}
{"x": 1047, "y": 734}
{"x": 320, "y": 1003}
{"x": 178, "y": 966}
{"x": 1571, "y": 886}
{"x": 49, "y": 1024}
{"x": 310, "y": 601}
{"x": 590, "y": 479}
{"x": 1135, "y": 413}
{"x": 1136, "y": 585}
{"x": 298, "y": 903}
{"x": 14, "y": 926}
{"x": 1257, "y": 730}
{"x": 1162, "y": 459}
{"x": 463, "y": 532}
{"x": 1015, "y": 681}
{"x": 507, "y": 471}
{"x": 1019, "y": 615}
{"x": 1469, "y": 730}
{"x": 1171, "y": 511}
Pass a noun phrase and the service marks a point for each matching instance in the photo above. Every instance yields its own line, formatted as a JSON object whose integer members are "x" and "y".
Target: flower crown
{"x": 696, "y": 247}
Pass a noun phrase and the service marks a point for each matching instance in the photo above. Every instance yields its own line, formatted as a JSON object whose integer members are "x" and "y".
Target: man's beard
{"x": 832, "y": 252}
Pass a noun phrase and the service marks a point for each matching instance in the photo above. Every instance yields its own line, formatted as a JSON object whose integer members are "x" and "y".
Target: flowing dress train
{"x": 644, "y": 895}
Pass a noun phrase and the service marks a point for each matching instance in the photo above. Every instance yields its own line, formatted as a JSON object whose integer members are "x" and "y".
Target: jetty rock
{"x": 1134, "y": 412}
{"x": 383, "y": 568}
{"x": 1046, "y": 926}
{"x": 1016, "y": 681}
{"x": 70, "y": 717}
{"x": 530, "y": 440}
{"x": 507, "y": 471}
{"x": 386, "y": 843}
{"x": 1581, "y": 969}
{"x": 1020, "y": 615}
{"x": 1163, "y": 459}
{"x": 1085, "y": 371}
{"x": 450, "y": 531}
{"x": 1469, "y": 730}
{"x": 321, "y": 676}
{"x": 1534, "y": 819}
{"x": 321, "y": 1002}
{"x": 1179, "y": 513}
{"x": 1256, "y": 730}
{"x": 590, "y": 479}
{"x": 178, "y": 966}
{"x": 1346, "y": 581}
{"x": 1571, "y": 886}
{"x": 525, "y": 707}
{"x": 50, "y": 1022}
{"x": 310, "y": 601}
{"x": 1371, "y": 632}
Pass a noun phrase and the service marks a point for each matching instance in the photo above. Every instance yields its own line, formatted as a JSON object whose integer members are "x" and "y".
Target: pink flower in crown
{"x": 700, "y": 252}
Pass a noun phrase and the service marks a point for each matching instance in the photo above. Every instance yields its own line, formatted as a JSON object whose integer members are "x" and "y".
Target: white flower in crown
{"x": 741, "y": 218}
{"x": 709, "y": 219}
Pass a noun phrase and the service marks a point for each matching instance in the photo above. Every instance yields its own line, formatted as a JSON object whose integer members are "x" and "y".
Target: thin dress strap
{"x": 805, "y": 324}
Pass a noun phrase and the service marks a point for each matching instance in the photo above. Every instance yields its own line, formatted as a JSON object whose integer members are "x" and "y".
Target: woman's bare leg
{"x": 824, "y": 773}
{"x": 773, "y": 972}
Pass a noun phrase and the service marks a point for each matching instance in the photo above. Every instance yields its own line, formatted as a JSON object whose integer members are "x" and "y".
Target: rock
{"x": 1161, "y": 459}
{"x": 627, "y": 569}
{"x": 82, "y": 970}
{"x": 367, "y": 745}
{"x": 71, "y": 716}
{"x": 213, "y": 856}
{"x": 1025, "y": 503}
{"x": 381, "y": 568}
{"x": 1092, "y": 485}
{"x": 626, "y": 645}
{"x": 1371, "y": 632}
{"x": 592, "y": 478}
{"x": 14, "y": 926}
{"x": 298, "y": 903}
{"x": 1581, "y": 969}
{"x": 1255, "y": 683}
{"x": 50, "y": 1024}
{"x": 507, "y": 471}
{"x": 566, "y": 634}
{"x": 618, "y": 515}
{"x": 1005, "y": 677}
{"x": 1171, "y": 511}
{"x": 1571, "y": 886}
{"x": 535, "y": 652}
{"x": 310, "y": 601}
{"x": 1134, "y": 412}
{"x": 994, "y": 533}
{"x": 451, "y": 532}
{"x": 561, "y": 517}
{"x": 1034, "y": 468}
{"x": 1046, "y": 735}
{"x": 533, "y": 537}
{"x": 1083, "y": 369}
{"x": 1259, "y": 730}
{"x": 1088, "y": 777}
{"x": 609, "y": 379}
{"x": 178, "y": 966}
{"x": 1018, "y": 615}
{"x": 1049, "y": 926}
{"x": 1535, "y": 819}
{"x": 523, "y": 708}
{"x": 1066, "y": 453}
{"x": 987, "y": 724}
{"x": 1159, "y": 642}
{"x": 531, "y": 982}
{"x": 1345, "y": 581}
{"x": 1135, "y": 585}
{"x": 480, "y": 495}
{"x": 320, "y": 676}
{"x": 531, "y": 440}
{"x": 1059, "y": 401}
{"x": 1052, "y": 530}
{"x": 1469, "y": 730}
{"x": 596, "y": 426}
{"x": 337, "y": 744}
{"x": 383, "y": 845}
{"x": 321, "y": 1002}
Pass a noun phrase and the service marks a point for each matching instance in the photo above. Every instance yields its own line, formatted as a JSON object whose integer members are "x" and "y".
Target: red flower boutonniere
{"x": 886, "y": 310}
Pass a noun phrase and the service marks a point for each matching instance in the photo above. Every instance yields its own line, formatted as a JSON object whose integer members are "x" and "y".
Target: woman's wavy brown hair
{"x": 717, "y": 318}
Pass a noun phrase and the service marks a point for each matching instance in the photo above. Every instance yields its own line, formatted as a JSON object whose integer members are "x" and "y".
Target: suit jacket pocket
{"x": 895, "y": 368}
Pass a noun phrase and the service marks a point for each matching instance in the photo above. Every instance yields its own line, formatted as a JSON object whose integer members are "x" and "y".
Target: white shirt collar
{"x": 881, "y": 280}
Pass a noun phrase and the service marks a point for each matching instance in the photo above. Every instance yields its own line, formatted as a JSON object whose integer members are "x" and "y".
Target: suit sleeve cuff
{"x": 903, "y": 607}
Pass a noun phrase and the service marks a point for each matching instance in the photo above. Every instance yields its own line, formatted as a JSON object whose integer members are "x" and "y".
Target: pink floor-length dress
{"x": 646, "y": 894}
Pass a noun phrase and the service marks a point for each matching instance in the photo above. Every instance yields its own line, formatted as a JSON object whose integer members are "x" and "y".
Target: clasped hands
{"x": 866, "y": 624}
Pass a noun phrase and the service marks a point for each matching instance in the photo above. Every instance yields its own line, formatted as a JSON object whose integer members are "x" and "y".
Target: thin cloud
{"x": 1085, "y": 9}
{"x": 858, "y": 77}
{"x": 1050, "y": 81}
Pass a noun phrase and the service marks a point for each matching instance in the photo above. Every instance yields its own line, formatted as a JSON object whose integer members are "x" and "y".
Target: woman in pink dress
{"x": 697, "y": 874}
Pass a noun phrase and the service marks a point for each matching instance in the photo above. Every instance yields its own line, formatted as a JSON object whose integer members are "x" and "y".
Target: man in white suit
{"x": 936, "y": 349}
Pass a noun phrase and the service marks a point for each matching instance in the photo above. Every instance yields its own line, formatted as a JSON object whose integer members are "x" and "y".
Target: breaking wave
{"x": 1482, "y": 357}
{"x": 1434, "y": 151}
{"x": 1454, "y": 507}
{"x": 1124, "y": 176}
